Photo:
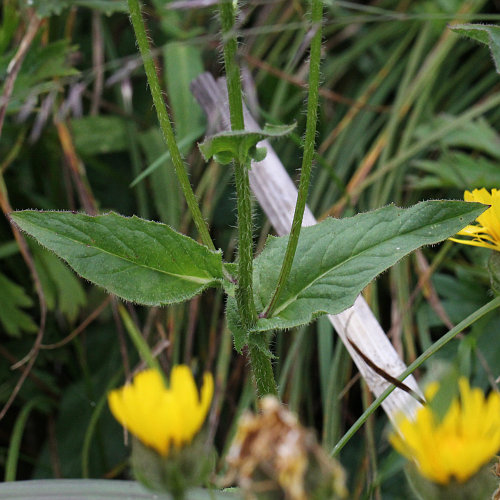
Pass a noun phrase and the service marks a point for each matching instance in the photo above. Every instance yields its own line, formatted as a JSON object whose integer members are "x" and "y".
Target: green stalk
{"x": 244, "y": 290}
{"x": 233, "y": 80}
{"x": 307, "y": 159}
{"x": 262, "y": 370}
{"x": 165, "y": 124}
{"x": 261, "y": 364}
{"x": 138, "y": 340}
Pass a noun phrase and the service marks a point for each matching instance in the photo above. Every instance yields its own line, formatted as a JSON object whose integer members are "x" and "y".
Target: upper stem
{"x": 244, "y": 290}
{"x": 164, "y": 120}
{"x": 233, "y": 80}
{"x": 307, "y": 159}
{"x": 261, "y": 364}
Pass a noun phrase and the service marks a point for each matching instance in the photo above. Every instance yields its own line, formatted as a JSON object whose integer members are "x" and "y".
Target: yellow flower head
{"x": 457, "y": 446}
{"x": 160, "y": 416}
{"x": 487, "y": 232}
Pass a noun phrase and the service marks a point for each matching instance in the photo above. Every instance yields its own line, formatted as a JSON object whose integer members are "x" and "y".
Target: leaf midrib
{"x": 294, "y": 297}
{"x": 192, "y": 279}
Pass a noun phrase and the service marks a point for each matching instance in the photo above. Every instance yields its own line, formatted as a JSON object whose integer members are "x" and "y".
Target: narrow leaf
{"x": 12, "y": 301}
{"x": 183, "y": 63}
{"x": 99, "y": 134}
{"x": 141, "y": 261}
{"x": 62, "y": 289}
{"x": 46, "y": 8}
{"x": 239, "y": 144}
{"x": 488, "y": 34}
{"x": 336, "y": 259}
{"x": 456, "y": 170}
{"x": 96, "y": 489}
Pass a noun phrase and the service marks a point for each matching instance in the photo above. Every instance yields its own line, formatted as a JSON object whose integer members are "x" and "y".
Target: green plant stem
{"x": 307, "y": 159}
{"x": 261, "y": 364}
{"x": 244, "y": 288}
{"x": 138, "y": 340}
{"x": 233, "y": 79}
{"x": 12, "y": 459}
{"x": 262, "y": 370}
{"x": 164, "y": 120}
{"x": 476, "y": 315}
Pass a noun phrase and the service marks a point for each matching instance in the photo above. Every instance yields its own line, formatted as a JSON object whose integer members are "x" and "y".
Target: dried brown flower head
{"x": 272, "y": 452}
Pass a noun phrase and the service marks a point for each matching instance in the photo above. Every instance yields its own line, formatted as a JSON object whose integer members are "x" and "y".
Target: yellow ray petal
{"x": 487, "y": 232}
{"x": 460, "y": 444}
{"x": 160, "y": 416}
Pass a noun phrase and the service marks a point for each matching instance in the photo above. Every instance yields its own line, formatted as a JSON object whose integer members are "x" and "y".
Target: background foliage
{"x": 408, "y": 111}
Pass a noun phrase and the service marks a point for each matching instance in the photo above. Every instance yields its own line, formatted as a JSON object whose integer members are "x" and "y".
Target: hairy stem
{"x": 261, "y": 364}
{"x": 262, "y": 371}
{"x": 165, "y": 124}
{"x": 307, "y": 159}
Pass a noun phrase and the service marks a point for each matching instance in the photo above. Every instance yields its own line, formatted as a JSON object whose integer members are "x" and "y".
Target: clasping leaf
{"x": 241, "y": 144}
{"x": 337, "y": 258}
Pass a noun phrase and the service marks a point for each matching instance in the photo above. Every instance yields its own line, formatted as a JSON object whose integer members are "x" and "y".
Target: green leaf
{"x": 488, "y": 34}
{"x": 166, "y": 190}
{"x": 239, "y": 144}
{"x": 95, "y": 489}
{"x": 138, "y": 260}
{"x": 10, "y": 20}
{"x": 12, "y": 301}
{"x": 45, "y": 8}
{"x": 99, "y": 134}
{"x": 336, "y": 259}
{"x": 42, "y": 65}
{"x": 477, "y": 135}
{"x": 183, "y": 63}
{"x": 457, "y": 170}
{"x": 61, "y": 287}
{"x": 241, "y": 338}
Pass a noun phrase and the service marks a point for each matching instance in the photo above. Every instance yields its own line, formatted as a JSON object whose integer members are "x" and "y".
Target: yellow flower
{"x": 487, "y": 232}
{"x": 160, "y": 416}
{"x": 458, "y": 446}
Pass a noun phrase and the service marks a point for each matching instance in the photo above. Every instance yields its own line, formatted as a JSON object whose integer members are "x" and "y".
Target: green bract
{"x": 138, "y": 260}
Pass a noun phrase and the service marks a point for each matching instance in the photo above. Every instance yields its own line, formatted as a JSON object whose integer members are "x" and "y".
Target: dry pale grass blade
{"x": 277, "y": 194}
